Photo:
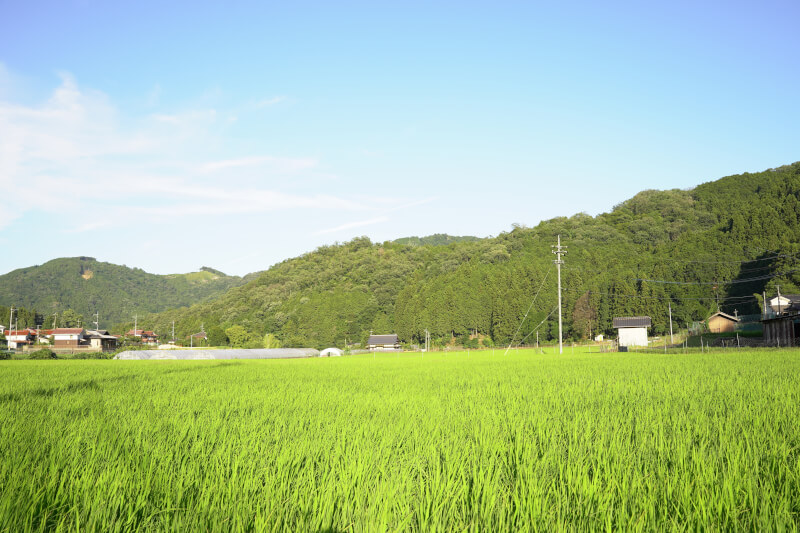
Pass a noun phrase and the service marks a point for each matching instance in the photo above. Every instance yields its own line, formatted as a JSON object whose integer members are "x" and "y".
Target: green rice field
{"x": 448, "y": 442}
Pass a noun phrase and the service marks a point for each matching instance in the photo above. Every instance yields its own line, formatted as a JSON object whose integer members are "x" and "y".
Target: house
{"x": 782, "y": 321}
{"x": 784, "y": 303}
{"x": 632, "y": 330}
{"x": 101, "y": 340}
{"x": 721, "y": 322}
{"x": 148, "y": 337}
{"x": 68, "y": 337}
{"x": 19, "y": 338}
{"x": 383, "y": 343}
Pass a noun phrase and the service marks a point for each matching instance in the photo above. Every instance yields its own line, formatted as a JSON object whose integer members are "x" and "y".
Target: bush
{"x": 44, "y": 353}
{"x": 5, "y": 356}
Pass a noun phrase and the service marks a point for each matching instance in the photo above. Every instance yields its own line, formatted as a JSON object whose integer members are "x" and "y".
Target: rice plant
{"x": 448, "y": 442}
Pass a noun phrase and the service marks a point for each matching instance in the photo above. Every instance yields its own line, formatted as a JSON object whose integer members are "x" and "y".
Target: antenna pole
{"x": 559, "y": 251}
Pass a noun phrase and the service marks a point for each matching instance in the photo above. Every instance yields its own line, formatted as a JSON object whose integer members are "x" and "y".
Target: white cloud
{"x": 76, "y": 147}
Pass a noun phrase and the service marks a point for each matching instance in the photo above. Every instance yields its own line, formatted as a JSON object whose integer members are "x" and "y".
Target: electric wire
{"x": 528, "y": 311}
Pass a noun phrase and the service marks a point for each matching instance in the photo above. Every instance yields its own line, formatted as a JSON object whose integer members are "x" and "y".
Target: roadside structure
{"x": 383, "y": 343}
{"x": 632, "y": 330}
{"x": 721, "y": 322}
{"x": 330, "y": 352}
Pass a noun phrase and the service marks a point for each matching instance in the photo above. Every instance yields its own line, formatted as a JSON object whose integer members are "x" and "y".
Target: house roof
{"x": 382, "y": 339}
{"x": 17, "y": 332}
{"x": 724, "y": 315}
{"x": 632, "y": 322}
{"x": 67, "y": 331}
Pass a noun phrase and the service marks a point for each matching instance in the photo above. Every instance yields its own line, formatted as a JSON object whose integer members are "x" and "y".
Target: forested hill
{"x": 437, "y": 239}
{"x": 718, "y": 244}
{"x": 87, "y": 286}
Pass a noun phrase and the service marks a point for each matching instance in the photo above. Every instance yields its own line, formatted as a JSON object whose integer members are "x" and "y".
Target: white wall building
{"x": 632, "y": 330}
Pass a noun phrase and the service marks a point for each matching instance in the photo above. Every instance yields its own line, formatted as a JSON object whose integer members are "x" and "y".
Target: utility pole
{"x": 11, "y": 318}
{"x": 55, "y": 317}
{"x": 97, "y": 320}
{"x": 559, "y": 251}
{"x": 764, "y": 307}
{"x": 670, "y": 323}
{"x": 135, "y": 323}
{"x": 173, "y": 331}
{"x": 778, "y": 287}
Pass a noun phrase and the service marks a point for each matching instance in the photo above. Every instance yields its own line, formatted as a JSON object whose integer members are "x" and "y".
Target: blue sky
{"x": 169, "y": 136}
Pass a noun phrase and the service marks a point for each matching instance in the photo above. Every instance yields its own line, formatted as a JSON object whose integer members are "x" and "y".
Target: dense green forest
{"x": 116, "y": 292}
{"x": 437, "y": 239}
{"x": 717, "y": 246}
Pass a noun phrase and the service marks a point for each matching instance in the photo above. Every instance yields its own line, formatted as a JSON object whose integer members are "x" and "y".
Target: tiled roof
{"x": 382, "y": 339}
{"x": 67, "y": 331}
{"x": 632, "y": 322}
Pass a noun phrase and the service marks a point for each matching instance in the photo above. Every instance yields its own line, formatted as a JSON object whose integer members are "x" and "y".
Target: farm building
{"x": 721, "y": 322}
{"x": 632, "y": 330}
{"x": 383, "y": 343}
{"x": 330, "y": 352}
{"x": 782, "y": 330}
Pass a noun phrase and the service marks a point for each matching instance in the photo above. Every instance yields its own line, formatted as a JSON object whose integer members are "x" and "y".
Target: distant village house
{"x": 18, "y": 338}
{"x": 782, "y": 321}
{"x": 67, "y": 337}
{"x": 383, "y": 343}
{"x": 148, "y": 337}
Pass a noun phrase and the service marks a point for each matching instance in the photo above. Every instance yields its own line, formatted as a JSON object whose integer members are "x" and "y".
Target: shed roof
{"x": 632, "y": 322}
{"x": 725, "y": 315}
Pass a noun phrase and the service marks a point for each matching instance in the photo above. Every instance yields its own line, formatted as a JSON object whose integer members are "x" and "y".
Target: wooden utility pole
{"x": 559, "y": 251}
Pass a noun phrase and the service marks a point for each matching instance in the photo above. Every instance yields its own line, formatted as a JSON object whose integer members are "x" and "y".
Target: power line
{"x": 731, "y": 282}
{"x": 537, "y": 327}
{"x": 528, "y": 311}
{"x": 614, "y": 295}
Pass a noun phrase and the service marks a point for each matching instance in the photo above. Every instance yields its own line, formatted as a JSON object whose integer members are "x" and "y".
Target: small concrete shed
{"x": 330, "y": 352}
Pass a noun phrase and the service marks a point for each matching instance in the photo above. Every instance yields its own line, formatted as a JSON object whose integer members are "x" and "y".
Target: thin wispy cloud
{"x": 270, "y": 101}
{"x": 353, "y": 225}
{"x": 280, "y": 163}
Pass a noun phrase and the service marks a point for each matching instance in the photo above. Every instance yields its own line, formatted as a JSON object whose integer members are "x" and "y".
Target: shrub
{"x": 44, "y": 353}
{"x": 5, "y": 356}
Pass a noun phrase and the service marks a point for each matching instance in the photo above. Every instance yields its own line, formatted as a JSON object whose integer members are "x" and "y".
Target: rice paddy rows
{"x": 448, "y": 442}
